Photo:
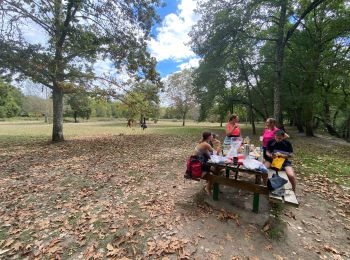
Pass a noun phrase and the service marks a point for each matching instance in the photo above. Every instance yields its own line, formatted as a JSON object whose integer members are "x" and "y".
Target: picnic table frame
{"x": 257, "y": 188}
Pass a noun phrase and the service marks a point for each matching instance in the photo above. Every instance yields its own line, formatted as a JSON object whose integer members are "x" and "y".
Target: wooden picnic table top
{"x": 233, "y": 167}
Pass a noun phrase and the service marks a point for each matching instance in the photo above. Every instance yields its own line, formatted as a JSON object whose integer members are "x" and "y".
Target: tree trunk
{"x": 249, "y": 93}
{"x": 298, "y": 119}
{"x": 279, "y": 64}
{"x": 310, "y": 92}
{"x": 57, "y": 131}
{"x": 183, "y": 119}
{"x": 75, "y": 116}
{"x": 347, "y": 129}
{"x": 331, "y": 130}
{"x": 309, "y": 120}
{"x": 253, "y": 123}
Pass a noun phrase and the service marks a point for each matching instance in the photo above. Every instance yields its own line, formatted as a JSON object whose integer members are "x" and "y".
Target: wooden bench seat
{"x": 257, "y": 187}
{"x": 289, "y": 197}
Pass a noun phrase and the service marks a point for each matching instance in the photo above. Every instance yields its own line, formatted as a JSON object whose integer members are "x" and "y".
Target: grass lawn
{"x": 313, "y": 155}
{"x": 111, "y": 192}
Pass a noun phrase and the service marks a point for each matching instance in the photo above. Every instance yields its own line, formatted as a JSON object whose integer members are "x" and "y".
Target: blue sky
{"x": 169, "y": 43}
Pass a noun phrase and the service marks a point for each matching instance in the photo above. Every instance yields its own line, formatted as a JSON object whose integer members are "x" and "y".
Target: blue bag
{"x": 275, "y": 182}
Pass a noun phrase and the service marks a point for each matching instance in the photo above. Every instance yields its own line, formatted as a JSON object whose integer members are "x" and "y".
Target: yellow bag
{"x": 277, "y": 163}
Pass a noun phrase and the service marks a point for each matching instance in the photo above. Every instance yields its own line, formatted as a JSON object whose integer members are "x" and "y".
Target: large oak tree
{"x": 74, "y": 34}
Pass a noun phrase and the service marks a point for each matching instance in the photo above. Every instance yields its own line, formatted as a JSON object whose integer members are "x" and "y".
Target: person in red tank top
{"x": 233, "y": 129}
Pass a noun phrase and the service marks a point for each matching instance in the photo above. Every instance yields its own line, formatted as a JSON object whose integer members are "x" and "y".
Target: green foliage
{"x": 11, "y": 100}
{"x": 75, "y": 35}
{"x": 143, "y": 100}
{"x": 180, "y": 89}
{"x": 119, "y": 110}
{"x": 80, "y": 105}
{"x": 243, "y": 44}
{"x": 36, "y": 106}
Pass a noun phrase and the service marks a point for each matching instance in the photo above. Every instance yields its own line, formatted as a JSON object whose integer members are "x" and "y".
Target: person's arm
{"x": 288, "y": 153}
{"x": 285, "y": 155}
{"x": 208, "y": 147}
{"x": 269, "y": 154}
{"x": 229, "y": 129}
{"x": 269, "y": 150}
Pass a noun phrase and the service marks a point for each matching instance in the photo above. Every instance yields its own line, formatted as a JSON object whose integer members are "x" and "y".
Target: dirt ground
{"x": 124, "y": 197}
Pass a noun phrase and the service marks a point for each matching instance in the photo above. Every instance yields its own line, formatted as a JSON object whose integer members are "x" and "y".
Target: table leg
{"x": 256, "y": 196}
{"x": 216, "y": 191}
{"x": 256, "y": 203}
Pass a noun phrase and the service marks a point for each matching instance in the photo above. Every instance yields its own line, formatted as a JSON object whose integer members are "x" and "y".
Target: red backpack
{"x": 194, "y": 168}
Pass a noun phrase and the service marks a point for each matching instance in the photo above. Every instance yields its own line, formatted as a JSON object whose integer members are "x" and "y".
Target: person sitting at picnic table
{"x": 203, "y": 151}
{"x": 269, "y": 134}
{"x": 203, "y": 148}
{"x": 232, "y": 127}
{"x": 279, "y": 147}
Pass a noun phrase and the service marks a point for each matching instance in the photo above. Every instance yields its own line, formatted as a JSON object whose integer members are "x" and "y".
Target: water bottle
{"x": 246, "y": 150}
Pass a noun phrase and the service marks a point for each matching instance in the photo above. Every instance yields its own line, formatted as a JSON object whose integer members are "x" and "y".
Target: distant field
{"x": 38, "y": 129}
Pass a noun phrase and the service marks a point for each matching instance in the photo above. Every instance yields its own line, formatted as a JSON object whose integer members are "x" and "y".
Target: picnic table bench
{"x": 231, "y": 179}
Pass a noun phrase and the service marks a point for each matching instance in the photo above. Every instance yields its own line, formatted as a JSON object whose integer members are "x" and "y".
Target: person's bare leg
{"x": 208, "y": 187}
{"x": 291, "y": 176}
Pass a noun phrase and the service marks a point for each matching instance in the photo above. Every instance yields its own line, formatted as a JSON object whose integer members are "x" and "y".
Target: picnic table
{"x": 257, "y": 187}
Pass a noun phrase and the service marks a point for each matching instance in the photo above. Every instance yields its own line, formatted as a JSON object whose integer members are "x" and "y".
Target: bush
{"x": 3, "y": 111}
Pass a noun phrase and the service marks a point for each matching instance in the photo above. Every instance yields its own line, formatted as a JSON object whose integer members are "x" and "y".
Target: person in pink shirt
{"x": 269, "y": 134}
{"x": 232, "y": 127}
{"x": 269, "y": 131}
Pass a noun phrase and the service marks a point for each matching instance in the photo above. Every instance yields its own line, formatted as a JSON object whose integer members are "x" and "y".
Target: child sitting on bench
{"x": 280, "y": 147}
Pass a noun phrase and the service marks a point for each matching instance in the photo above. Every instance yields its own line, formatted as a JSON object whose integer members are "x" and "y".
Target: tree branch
{"x": 311, "y": 7}
{"x": 22, "y": 11}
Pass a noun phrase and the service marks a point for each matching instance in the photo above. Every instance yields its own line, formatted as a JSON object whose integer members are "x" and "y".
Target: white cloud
{"x": 172, "y": 39}
{"x": 103, "y": 67}
{"x": 192, "y": 63}
{"x": 34, "y": 34}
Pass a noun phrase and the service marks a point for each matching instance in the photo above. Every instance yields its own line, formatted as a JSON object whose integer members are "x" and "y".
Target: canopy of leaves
{"x": 11, "y": 100}
{"x": 180, "y": 90}
{"x": 237, "y": 43}
{"x": 74, "y": 34}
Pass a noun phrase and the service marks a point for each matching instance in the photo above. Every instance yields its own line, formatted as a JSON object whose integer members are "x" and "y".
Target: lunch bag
{"x": 277, "y": 163}
{"x": 193, "y": 168}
